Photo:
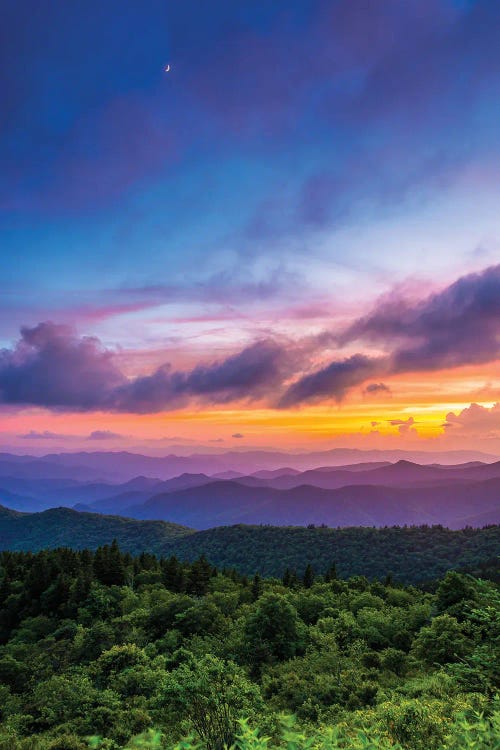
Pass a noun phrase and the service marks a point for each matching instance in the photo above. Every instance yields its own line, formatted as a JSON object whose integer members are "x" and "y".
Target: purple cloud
{"x": 237, "y": 435}
{"x": 251, "y": 373}
{"x": 332, "y": 381}
{"x": 104, "y": 435}
{"x": 457, "y": 326}
{"x": 44, "y": 435}
{"x": 51, "y": 367}
{"x": 376, "y": 388}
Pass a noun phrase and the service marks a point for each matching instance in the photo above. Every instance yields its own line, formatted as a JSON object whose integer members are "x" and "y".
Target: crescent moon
{"x": 167, "y": 68}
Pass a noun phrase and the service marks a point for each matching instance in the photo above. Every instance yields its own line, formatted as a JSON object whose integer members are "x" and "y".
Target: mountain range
{"x": 120, "y": 466}
{"x": 367, "y": 493}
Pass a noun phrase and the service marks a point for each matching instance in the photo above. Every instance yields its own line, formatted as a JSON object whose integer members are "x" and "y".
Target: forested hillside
{"x": 65, "y": 527}
{"x": 410, "y": 554}
{"x": 100, "y": 647}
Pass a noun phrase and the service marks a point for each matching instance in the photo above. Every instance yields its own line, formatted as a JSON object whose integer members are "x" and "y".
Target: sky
{"x": 290, "y": 239}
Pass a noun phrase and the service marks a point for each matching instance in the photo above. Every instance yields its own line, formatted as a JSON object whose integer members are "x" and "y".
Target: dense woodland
{"x": 412, "y": 554}
{"x": 108, "y": 650}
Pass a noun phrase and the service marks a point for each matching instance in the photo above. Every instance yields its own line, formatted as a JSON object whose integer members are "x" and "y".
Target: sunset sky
{"x": 291, "y": 239}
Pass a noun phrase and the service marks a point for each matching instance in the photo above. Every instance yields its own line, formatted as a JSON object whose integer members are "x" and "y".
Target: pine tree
{"x": 109, "y": 566}
{"x": 171, "y": 573}
{"x": 331, "y": 573}
{"x": 257, "y": 587}
{"x": 287, "y": 578}
{"x": 308, "y": 578}
{"x": 100, "y": 563}
{"x": 199, "y": 577}
{"x": 116, "y": 566}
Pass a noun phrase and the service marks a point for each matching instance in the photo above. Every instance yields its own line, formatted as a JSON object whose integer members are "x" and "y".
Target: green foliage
{"x": 210, "y": 694}
{"x": 112, "y": 651}
{"x": 443, "y": 641}
{"x": 474, "y": 732}
{"x": 272, "y": 631}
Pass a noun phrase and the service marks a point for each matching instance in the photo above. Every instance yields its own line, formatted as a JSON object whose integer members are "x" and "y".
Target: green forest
{"x": 412, "y": 554}
{"x": 104, "y": 650}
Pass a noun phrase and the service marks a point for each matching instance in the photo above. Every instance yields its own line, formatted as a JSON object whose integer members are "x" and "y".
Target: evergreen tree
{"x": 287, "y": 577}
{"x": 109, "y": 566}
{"x": 257, "y": 587}
{"x": 173, "y": 575}
{"x": 331, "y": 573}
{"x": 199, "y": 577}
{"x": 308, "y": 578}
{"x": 116, "y": 566}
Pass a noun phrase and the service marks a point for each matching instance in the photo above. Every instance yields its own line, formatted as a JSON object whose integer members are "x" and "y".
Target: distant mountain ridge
{"x": 122, "y": 466}
{"x": 375, "y": 494}
{"x": 227, "y": 503}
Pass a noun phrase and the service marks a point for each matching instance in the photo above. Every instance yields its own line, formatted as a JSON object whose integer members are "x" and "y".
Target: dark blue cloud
{"x": 89, "y": 113}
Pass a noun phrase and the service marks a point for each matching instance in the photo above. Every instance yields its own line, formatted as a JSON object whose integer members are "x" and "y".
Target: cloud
{"x": 332, "y": 381}
{"x": 252, "y": 373}
{"x": 404, "y": 425}
{"x": 105, "y": 435}
{"x": 458, "y": 326}
{"x": 476, "y": 420}
{"x": 52, "y": 367}
{"x": 48, "y": 435}
{"x": 237, "y": 435}
{"x": 374, "y": 423}
{"x": 376, "y": 388}
{"x": 45, "y": 435}
{"x": 229, "y": 287}
{"x": 252, "y": 84}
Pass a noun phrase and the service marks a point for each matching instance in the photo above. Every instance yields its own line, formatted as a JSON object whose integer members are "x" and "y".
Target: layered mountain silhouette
{"x": 367, "y": 493}
{"x": 121, "y": 466}
{"x": 226, "y": 503}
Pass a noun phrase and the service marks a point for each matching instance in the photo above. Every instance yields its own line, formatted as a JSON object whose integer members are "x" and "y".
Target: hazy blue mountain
{"x": 226, "y": 503}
